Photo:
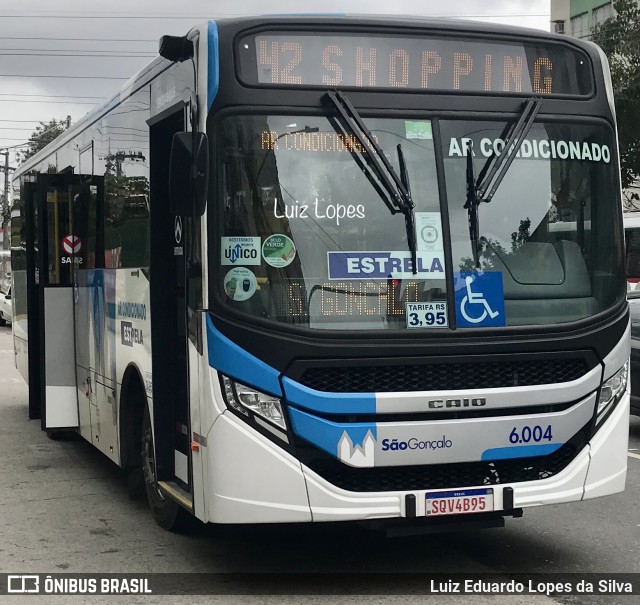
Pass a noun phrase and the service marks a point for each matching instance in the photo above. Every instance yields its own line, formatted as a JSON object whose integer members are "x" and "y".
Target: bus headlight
{"x": 244, "y": 399}
{"x": 612, "y": 390}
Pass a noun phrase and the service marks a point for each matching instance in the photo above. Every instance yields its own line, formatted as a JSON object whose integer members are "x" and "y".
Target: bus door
{"x": 169, "y": 246}
{"x": 56, "y": 239}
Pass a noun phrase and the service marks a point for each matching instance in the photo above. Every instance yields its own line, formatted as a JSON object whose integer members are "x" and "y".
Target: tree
{"x": 42, "y": 136}
{"x": 489, "y": 249}
{"x": 619, "y": 37}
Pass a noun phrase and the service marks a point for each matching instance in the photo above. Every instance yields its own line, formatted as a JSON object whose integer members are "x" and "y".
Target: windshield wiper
{"x": 394, "y": 190}
{"x": 409, "y": 218}
{"x": 471, "y": 206}
{"x": 495, "y": 169}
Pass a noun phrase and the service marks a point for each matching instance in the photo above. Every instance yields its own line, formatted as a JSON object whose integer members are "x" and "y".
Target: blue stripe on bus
{"x": 521, "y": 451}
{"x": 325, "y": 434}
{"x": 213, "y": 62}
{"x": 329, "y": 403}
{"x": 230, "y": 359}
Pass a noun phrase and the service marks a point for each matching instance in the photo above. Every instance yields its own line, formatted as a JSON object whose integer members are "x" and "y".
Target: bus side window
{"x": 632, "y": 237}
{"x": 126, "y": 185}
{"x": 127, "y": 224}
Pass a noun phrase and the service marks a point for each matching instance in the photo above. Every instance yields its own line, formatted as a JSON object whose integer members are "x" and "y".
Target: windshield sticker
{"x": 556, "y": 150}
{"x": 278, "y": 251}
{"x": 318, "y": 209}
{"x": 427, "y": 315}
{"x": 240, "y": 284}
{"x": 240, "y": 250}
{"x": 479, "y": 300}
{"x": 385, "y": 265}
{"x": 429, "y": 231}
{"x": 418, "y": 130}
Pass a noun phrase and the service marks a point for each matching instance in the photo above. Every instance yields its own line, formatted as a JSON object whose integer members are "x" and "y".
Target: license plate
{"x": 459, "y": 502}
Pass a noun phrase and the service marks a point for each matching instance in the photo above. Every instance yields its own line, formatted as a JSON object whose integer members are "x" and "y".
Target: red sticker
{"x": 71, "y": 244}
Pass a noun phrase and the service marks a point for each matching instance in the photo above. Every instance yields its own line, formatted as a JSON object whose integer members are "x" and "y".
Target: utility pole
{"x": 4, "y": 209}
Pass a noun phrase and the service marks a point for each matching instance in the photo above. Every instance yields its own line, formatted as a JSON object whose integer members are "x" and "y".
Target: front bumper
{"x": 255, "y": 481}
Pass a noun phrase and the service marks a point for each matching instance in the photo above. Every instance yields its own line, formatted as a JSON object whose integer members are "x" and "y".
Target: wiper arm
{"x": 409, "y": 219}
{"x": 493, "y": 172}
{"x": 393, "y": 189}
{"x": 471, "y": 206}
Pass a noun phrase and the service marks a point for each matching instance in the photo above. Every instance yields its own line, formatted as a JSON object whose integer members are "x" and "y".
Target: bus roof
{"x": 446, "y": 23}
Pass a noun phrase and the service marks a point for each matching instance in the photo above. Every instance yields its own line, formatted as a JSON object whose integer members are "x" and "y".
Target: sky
{"x": 63, "y": 57}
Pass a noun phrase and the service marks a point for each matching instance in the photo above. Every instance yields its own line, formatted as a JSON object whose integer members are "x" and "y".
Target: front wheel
{"x": 167, "y": 513}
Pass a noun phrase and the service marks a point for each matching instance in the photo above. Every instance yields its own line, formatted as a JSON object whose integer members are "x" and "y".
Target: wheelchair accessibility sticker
{"x": 479, "y": 300}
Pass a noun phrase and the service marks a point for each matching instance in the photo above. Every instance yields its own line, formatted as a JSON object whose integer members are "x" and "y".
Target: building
{"x": 577, "y": 17}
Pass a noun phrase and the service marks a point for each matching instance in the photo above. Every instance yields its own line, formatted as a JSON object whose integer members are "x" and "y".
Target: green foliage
{"x": 619, "y": 37}
{"x": 42, "y": 136}
{"x": 489, "y": 248}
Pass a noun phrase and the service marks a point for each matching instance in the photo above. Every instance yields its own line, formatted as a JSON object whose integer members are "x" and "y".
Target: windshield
{"x": 308, "y": 240}
{"x": 304, "y": 236}
{"x": 550, "y": 237}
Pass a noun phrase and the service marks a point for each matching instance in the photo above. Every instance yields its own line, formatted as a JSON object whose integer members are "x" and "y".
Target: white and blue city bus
{"x": 333, "y": 268}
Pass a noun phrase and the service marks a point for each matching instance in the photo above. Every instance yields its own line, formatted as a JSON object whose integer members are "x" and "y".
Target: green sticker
{"x": 278, "y": 251}
{"x": 240, "y": 284}
{"x": 418, "y": 130}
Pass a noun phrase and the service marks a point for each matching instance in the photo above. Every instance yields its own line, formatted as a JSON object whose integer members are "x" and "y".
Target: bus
{"x": 329, "y": 268}
{"x": 5, "y": 287}
{"x": 5, "y": 270}
{"x": 631, "y": 222}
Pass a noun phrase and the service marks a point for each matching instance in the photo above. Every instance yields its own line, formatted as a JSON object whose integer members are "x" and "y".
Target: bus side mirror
{"x": 188, "y": 173}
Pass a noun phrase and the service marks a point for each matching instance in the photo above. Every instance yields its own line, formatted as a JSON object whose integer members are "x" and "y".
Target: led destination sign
{"x": 345, "y": 300}
{"x": 426, "y": 63}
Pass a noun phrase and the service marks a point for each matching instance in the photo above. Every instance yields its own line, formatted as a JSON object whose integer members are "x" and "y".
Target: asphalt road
{"x": 64, "y": 508}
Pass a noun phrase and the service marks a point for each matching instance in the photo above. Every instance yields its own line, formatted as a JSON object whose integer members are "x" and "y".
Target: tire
{"x": 3, "y": 321}
{"x": 135, "y": 483}
{"x": 167, "y": 513}
{"x": 137, "y": 401}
